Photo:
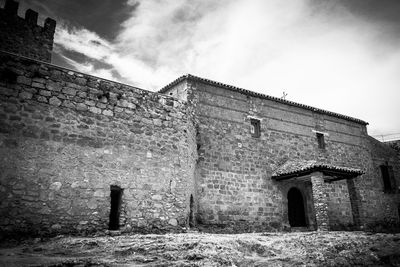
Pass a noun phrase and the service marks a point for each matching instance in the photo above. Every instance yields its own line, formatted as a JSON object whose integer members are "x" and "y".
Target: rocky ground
{"x": 201, "y": 249}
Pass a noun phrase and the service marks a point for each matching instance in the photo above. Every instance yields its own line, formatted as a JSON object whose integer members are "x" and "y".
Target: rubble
{"x": 202, "y": 249}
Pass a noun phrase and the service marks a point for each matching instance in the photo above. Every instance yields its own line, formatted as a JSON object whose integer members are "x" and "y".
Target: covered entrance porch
{"x": 320, "y": 176}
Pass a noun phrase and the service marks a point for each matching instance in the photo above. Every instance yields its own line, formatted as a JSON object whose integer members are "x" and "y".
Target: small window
{"x": 388, "y": 178}
{"x": 321, "y": 140}
{"x": 255, "y": 128}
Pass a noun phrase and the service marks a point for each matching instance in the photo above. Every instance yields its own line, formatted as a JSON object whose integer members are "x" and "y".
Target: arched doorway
{"x": 296, "y": 213}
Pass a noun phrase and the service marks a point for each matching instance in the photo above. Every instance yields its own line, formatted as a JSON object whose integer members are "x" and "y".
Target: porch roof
{"x": 296, "y": 168}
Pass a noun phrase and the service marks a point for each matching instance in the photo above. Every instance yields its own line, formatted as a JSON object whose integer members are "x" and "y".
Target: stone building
{"x": 79, "y": 153}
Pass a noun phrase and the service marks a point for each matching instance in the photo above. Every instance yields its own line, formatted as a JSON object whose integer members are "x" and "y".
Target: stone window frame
{"x": 255, "y": 127}
{"x": 388, "y": 180}
{"x": 320, "y": 139}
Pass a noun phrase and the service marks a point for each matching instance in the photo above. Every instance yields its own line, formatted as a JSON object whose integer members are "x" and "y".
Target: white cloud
{"x": 269, "y": 46}
{"x": 83, "y": 41}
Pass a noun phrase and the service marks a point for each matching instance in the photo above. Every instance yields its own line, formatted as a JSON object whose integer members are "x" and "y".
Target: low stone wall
{"x": 66, "y": 137}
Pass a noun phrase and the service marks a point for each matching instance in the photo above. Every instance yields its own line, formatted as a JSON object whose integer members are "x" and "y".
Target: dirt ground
{"x": 201, "y": 249}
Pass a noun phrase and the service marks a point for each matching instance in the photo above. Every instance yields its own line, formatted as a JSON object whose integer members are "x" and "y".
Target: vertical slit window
{"x": 255, "y": 128}
{"x": 321, "y": 140}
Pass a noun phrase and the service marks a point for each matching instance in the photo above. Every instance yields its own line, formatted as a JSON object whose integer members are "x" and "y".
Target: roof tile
{"x": 255, "y": 94}
{"x": 297, "y": 167}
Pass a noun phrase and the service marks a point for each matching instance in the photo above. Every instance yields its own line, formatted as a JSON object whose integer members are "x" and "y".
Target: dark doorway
{"x": 297, "y": 217}
{"x": 116, "y": 194}
{"x": 191, "y": 216}
{"x": 398, "y": 210}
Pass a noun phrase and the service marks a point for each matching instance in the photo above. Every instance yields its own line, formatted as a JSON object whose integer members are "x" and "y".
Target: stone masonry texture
{"x": 23, "y": 36}
{"x": 320, "y": 200}
{"x": 67, "y": 139}
{"x": 233, "y": 176}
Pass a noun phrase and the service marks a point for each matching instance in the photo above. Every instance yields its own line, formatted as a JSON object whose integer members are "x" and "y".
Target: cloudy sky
{"x": 341, "y": 55}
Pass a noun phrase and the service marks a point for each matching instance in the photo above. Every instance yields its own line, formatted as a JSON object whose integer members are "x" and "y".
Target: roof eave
{"x": 335, "y": 174}
{"x": 259, "y": 95}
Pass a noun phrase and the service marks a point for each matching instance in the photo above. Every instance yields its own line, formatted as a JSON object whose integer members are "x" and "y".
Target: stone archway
{"x": 296, "y": 211}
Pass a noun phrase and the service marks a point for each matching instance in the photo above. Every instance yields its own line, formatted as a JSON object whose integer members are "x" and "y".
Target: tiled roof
{"x": 259, "y": 95}
{"x": 295, "y": 168}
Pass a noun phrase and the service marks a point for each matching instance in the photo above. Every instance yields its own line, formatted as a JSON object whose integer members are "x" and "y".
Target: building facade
{"x": 79, "y": 153}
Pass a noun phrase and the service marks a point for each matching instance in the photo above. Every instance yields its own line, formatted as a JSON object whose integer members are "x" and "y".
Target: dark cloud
{"x": 102, "y": 17}
{"x": 378, "y": 11}
{"x": 378, "y": 19}
{"x": 384, "y": 14}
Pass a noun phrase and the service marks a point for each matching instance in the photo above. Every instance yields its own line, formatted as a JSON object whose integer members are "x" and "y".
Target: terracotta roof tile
{"x": 293, "y": 168}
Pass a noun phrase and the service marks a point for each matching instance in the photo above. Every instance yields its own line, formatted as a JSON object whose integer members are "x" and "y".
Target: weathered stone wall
{"x": 395, "y": 144}
{"x": 23, "y": 36}
{"x": 306, "y": 190}
{"x": 234, "y": 168}
{"x": 381, "y": 204}
{"x": 286, "y": 133}
{"x": 339, "y": 205}
{"x": 66, "y": 137}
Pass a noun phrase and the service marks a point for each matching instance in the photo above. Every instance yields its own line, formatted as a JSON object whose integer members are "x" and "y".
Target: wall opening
{"x": 116, "y": 197}
{"x": 321, "y": 140}
{"x": 255, "y": 128}
{"x": 389, "y": 184}
{"x": 191, "y": 212}
{"x": 296, "y": 211}
{"x": 398, "y": 211}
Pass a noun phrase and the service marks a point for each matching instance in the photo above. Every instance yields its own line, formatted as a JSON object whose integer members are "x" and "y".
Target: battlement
{"x": 23, "y": 35}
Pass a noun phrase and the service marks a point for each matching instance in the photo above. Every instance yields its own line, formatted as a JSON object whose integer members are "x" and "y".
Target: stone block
{"x": 45, "y": 93}
{"x": 81, "y": 106}
{"x": 69, "y": 91}
{"x": 24, "y": 80}
{"x": 173, "y": 222}
{"x": 95, "y": 110}
{"x": 108, "y": 112}
{"x": 54, "y": 101}
{"x": 25, "y": 95}
{"x": 38, "y": 85}
{"x": 55, "y": 186}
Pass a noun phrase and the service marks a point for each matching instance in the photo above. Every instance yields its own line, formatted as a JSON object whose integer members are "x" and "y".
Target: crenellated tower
{"x": 24, "y": 36}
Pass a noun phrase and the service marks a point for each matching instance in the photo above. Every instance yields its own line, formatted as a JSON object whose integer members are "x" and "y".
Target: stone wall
{"x": 395, "y": 144}
{"x": 306, "y": 190}
{"x": 339, "y": 206}
{"x": 23, "y": 36}
{"x": 384, "y": 204}
{"x": 66, "y": 137}
{"x": 234, "y": 168}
